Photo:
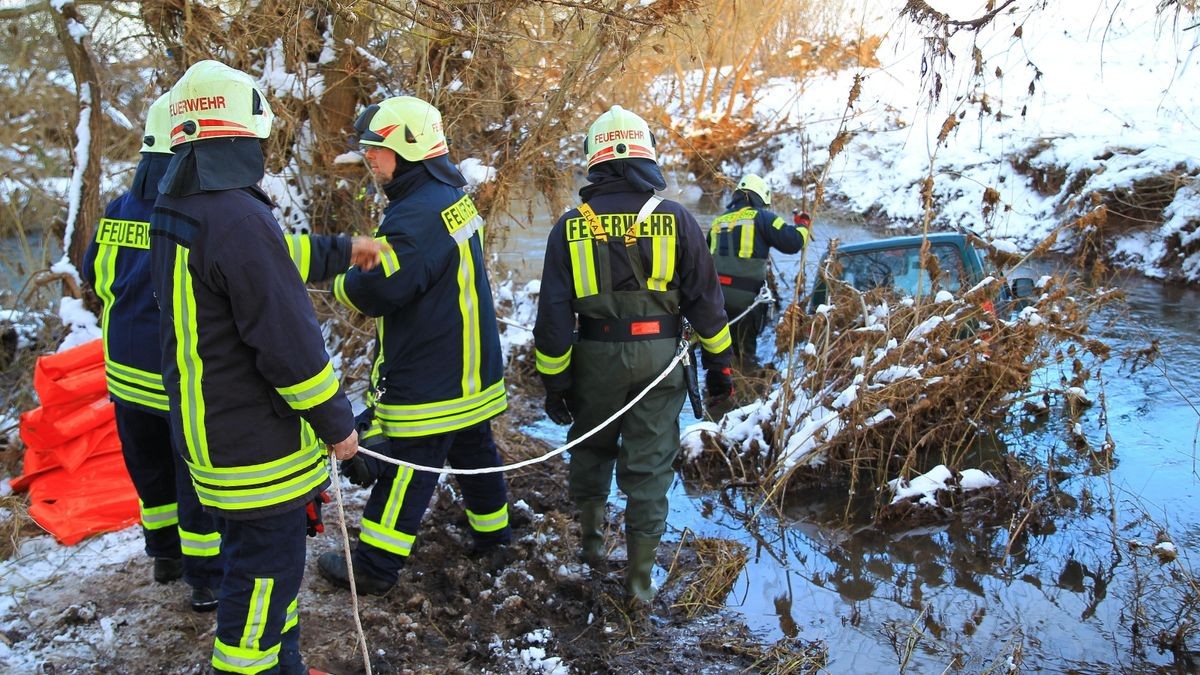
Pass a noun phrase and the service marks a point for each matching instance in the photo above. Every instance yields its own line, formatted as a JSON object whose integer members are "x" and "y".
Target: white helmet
{"x": 406, "y": 125}
{"x": 618, "y": 134}
{"x": 212, "y": 100}
{"x": 754, "y": 183}
{"x": 158, "y": 126}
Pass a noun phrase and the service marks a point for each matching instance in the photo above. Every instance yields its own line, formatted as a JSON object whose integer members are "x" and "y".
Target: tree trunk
{"x": 83, "y": 208}
{"x": 338, "y": 210}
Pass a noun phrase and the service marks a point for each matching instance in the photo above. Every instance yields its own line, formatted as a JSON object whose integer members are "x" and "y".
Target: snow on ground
{"x": 1102, "y": 86}
{"x": 42, "y": 566}
{"x": 927, "y": 485}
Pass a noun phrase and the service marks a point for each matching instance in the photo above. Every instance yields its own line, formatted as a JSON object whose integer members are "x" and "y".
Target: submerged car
{"x": 896, "y": 263}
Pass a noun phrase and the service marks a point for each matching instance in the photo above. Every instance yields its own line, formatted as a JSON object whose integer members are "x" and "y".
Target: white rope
{"x": 509, "y": 322}
{"x": 764, "y": 296}
{"x": 679, "y": 357}
{"x": 362, "y": 636}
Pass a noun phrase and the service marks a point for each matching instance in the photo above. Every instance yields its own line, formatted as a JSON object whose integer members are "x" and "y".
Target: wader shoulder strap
{"x": 600, "y": 245}
{"x": 600, "y": 236}
{"x": 631, "y": 250}
{"x": 643, "y": 214}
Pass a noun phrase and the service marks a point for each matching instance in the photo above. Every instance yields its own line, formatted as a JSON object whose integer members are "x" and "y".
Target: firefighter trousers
{"x": 258, "y": 619}
{"x": 173, "y": 522}
{"x": 641, "y": 445}
{"x": 400, "y": 496}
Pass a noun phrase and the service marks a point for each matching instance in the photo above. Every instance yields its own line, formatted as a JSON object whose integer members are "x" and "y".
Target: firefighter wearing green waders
{"x": 740, "y": 241}
{"x": 621, "y": 272}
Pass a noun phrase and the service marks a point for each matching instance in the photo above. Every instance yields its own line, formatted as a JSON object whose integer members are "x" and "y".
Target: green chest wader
{"x": 741, "y": 279}
{"x": 607, "y": 371}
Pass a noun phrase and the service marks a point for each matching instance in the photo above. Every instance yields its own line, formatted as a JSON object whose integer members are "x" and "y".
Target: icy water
{"x": 19, "y": 258}
{"x": 1062, "y": 599}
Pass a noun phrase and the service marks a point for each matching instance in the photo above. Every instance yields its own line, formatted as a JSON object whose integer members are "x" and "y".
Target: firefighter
{"x": 626, "y": 265}
{"x": 180, "y": 537}
{"x": 437, "y": 378}
{"x": 740, "y": 241}
{"x": 252, "y": 393}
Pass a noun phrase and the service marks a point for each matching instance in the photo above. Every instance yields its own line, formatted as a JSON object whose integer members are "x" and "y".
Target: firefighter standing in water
{"x": 253, "y": 397}
{"x": 180, "y": 537}
{"x": 438, "y": 373}
{"x": 626, "y": 265}
{"x": 740, "y": 241}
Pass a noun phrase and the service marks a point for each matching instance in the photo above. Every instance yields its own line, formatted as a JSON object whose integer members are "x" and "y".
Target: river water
{"x": 1064, "y": 598}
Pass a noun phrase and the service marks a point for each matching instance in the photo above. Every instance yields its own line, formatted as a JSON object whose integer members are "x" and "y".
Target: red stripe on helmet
{"x": 224, "y": 132}
{"x": 602, "y": 156}
{"x": 220, "y": 123}
{"x": 437, "y": 151}
{"x": 386, "y": 131}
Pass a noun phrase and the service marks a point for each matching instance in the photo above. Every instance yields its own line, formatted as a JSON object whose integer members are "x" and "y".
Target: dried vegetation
{"x": 876, "y": 386}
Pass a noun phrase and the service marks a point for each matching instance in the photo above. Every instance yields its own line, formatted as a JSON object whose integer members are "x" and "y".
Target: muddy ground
{"x": 540, "y": 612}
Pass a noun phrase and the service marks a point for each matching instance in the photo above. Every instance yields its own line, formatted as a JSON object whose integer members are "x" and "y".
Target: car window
{"x": 900, "y": 268}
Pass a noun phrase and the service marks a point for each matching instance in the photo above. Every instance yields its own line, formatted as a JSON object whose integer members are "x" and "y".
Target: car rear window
{"x": 900, "y": 268}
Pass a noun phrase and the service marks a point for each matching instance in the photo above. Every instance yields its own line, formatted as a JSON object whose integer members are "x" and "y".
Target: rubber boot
{"x": 642, "y": 551}
{"x": 591, "y": 533}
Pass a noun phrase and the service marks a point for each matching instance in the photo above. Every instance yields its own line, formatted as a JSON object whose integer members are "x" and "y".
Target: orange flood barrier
{"x": 73, "y": 468}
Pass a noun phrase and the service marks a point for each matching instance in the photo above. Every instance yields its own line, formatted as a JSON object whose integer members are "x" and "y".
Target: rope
{"x": 764, "y": 296}
{"x": 362, "y": 636}
{"x": 680, "y": 355}
{"x": 514, "y": 324}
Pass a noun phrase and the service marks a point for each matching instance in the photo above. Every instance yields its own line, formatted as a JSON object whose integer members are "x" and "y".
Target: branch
{"x": 918, "y": 10}
{"x": 12, "y": 13}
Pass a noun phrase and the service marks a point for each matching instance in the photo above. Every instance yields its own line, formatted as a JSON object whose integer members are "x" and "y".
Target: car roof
{"x": 903, "y": 242}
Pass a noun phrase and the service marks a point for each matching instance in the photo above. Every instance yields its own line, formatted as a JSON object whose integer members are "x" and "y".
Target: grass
{"x": 720, "y": 563}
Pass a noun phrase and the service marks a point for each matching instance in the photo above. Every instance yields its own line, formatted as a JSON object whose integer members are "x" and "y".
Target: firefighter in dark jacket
{"x": 253, "y": 397}
{"x": 625, "y": 267}
{"x": 180, "y": 536}
{"x": 740, "y": 240}
{"x": 438, "y": 373}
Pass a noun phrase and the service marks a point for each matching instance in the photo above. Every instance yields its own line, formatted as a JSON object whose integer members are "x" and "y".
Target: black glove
{"x": 370, "y": 436}
{"x": 558, "y": 407}
{"x": 359, "y": 470}
{"x": 312, "y": 511}
{"x": 718, "y": 385}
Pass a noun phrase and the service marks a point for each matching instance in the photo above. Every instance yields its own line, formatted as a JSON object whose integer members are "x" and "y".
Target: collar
{"x": 213, "y": 164}
{"x": 623, "y": 175}
{"x": 150, "y": 170}
{"x": 409, "y": 176}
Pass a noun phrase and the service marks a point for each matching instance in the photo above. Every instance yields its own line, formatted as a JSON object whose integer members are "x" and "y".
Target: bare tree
{"x": 84, "y": 200}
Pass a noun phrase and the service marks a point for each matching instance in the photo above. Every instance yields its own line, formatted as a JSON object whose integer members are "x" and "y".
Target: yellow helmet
{"x": 406, "y": 125}
{"x": 212, "y": 100}
{"x": 158, "y": 126}
{"x": 618, "y": 134}
{"x": 754, "y": 183}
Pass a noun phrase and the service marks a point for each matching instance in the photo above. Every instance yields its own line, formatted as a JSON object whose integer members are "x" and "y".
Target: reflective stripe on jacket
{"x": 117, "y": 265}
{"x": 437, "y": 365}
{"x": 251, "y": 388}
{"x": 747, "y": 232}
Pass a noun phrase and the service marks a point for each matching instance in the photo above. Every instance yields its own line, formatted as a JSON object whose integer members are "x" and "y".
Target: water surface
{"x": 1061, "y": 600}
